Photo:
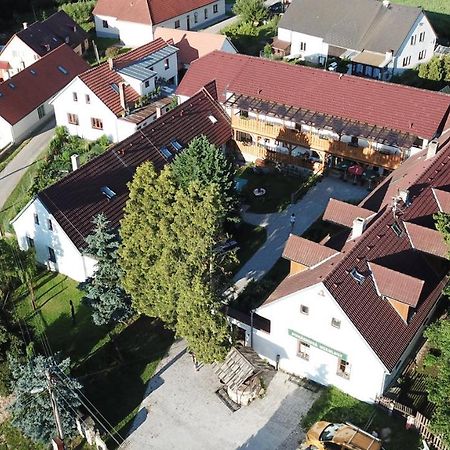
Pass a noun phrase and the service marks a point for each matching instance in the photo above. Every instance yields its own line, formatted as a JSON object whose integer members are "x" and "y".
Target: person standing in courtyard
{"x": 292, "y": 219}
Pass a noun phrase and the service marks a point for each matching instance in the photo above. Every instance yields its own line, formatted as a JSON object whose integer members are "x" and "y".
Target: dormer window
{"x": 357, "y": 276}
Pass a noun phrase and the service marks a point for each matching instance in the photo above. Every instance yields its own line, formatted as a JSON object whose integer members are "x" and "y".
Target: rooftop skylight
{"x": 63, "y": 70}
{"x": 108, "y": 192}
{"x": 166, "y": 152}
{"x": 357, "y": 276}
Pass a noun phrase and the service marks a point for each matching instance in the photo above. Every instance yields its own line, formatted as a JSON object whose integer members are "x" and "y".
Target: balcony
{"x": 365, "y": 155}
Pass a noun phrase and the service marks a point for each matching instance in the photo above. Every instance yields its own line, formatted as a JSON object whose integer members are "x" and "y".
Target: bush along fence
{"x": 308, "y": 184}
{"x": 414, "y": 419}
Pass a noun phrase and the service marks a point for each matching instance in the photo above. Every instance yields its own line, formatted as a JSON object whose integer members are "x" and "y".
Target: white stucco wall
{"x": 19, "y": 55}
{"x": 69, "y": 261}
{"x": 367, "y": 372}
{"x": 315, "y": 46}
{"x": 6, "y": 133}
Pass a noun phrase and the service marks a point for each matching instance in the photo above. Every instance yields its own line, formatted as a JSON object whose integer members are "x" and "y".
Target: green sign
{"x": 317, "y": 344}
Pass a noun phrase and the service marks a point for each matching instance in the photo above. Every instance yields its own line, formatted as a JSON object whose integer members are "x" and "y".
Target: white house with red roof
{"x": 25, "y": 98}
{"x": 121, "y": 95}
{"x": 353, "y": 307}
{"x": 134, "y": 22}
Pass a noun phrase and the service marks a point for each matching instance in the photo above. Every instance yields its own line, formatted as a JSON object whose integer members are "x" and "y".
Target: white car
{"x": 332, "y": 67}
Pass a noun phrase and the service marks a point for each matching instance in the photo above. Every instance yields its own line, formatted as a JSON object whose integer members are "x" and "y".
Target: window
{"x": 30, "y": 242}
{"x": 63, "y": 70}
{"x": 50, "y": 224}
{"x": 215, "y": 9}
{"x": 335, "y": 323}
{"x": 105, "y": 24}
{"x": 303, "y": 350}
{"x": 243, "y": 113}
{"x": 147, "y": 84}
{"x": 87, "y": 98}
{"x": 413, "y": 39}
{"x": 343, "y": 369}
{"x": 195, "y": 17}
{"x": 357, "y": 276}
{"x": 406, "y": 61}
{"x": 72, "y": 119}
{"x": 422, "y": 36}
{"x": 166, "y": 63}
{"x": 206, "y": 13}
{"x": 74, "y": 96}
{"x": 97, "y": 124}
{"x": 422, "y": 54}
{"x": 36, "y": 219}
{"x": 304, "y": 309}
{"x": 177, "y": 24}
{"x": 51, "y": 255}
{"x": 302, "y": 46}
{"x": 41, "y": 111}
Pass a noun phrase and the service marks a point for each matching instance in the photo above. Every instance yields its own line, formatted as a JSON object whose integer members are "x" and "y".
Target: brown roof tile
{"x": 443, "y": 200}
{"x": 344, "y": 213}
{"x": 306, "y": 252}
{"x": 427, "y": 240}
{"x": 38, "y": 83}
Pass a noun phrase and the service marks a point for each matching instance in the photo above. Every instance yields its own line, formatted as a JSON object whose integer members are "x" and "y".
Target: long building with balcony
{"x": 314, "y": 119}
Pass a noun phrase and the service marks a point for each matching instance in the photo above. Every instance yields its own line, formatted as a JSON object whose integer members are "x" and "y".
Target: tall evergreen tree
{"x": 103, "y": 291}
{"x": 32, "y": 410}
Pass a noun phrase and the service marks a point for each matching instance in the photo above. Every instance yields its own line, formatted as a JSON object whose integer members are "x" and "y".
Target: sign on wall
{"x": 317, "y": 344}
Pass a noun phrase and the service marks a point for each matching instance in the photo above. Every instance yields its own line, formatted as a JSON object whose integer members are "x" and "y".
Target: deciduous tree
{"x": 253, "y": 11}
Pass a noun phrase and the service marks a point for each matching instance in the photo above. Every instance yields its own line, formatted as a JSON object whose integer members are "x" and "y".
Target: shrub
{"x": 81, "y": 13}
{"x": 111, "y": 52}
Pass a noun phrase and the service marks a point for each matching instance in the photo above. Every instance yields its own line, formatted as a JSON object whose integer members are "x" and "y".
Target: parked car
{"x": 339, "y": 436}
{"x": 333, "y": 66}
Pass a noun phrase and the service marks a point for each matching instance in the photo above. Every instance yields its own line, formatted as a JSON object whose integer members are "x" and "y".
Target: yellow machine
{"x": 339, "y": 436}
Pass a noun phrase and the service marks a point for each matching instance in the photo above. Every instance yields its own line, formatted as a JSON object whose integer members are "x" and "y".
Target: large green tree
{"x": 253, "y": 11}
{"x": 207, "y": 164}
{"x": 103, "y": 291}
{"x": 169, "y": 257}
{"x": 32, "y": 410}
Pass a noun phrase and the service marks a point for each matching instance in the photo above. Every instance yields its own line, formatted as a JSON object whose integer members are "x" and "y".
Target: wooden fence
{"x": 420, "y": 422}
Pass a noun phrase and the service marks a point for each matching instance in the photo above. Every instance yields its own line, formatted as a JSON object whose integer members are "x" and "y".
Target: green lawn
{"x": 438, "y": 11}
{"x": 278, "y": 186}
{"x": 114, "y": 373}
{"x": 335, "y": 406}
{"x": 249, "y": 238}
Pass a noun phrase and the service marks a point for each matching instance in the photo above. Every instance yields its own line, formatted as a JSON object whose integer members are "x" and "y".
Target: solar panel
{"x": 176, "y": 145}
{"x": 115, "y": 87}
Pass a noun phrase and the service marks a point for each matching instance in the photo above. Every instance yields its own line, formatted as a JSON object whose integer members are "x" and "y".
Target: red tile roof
{"x": 396, "y": 285}
{"x": 443, "y": 200}
{"x": 415, "y": 111}
{"x": 77, "y": 198}
{"x": 306, "y": 252}
{"x": 38, "y": 83}
{"x": 427, "y": 240}
{"x": 149, "y": 12}
{"x": 344, "y": 213}
{"x": 99, "y": 79}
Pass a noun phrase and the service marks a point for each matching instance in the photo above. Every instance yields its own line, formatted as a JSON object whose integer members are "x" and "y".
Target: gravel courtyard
{"x": 182, "y": 411}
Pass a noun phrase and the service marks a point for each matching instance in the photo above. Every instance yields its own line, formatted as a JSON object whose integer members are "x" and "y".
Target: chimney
{"x": 404, "y": 195}
{"x": 123, "y": 96}
{"x": 158, "y": 111}
{"x": 75, "y": 160}
{"x": 432, "y": 149}
{"x": 25, "y": 25}
{"x": 386, "y": 3}
{"x": 359, "y": 225}
{"x": 111, "y": 63}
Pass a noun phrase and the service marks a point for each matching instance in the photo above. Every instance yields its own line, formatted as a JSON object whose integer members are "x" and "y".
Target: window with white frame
{"x": 406, "y": 61}
{"x": 302, "y": 46}
{"x": 413, "y": 39}
{"x": 422, "y": 36}
{"x": 105, "y": 24}
{"x": 215, "y": 8}
{"x": 177, "y": 24}
{"x": 72, "y": 119}
{"x": 335, "y": 323}
{"x": 50, "y": 224}
{"x": 195, "y": 17}
{"x": 97, "y": 124}
{"x": 87, "y": 98}
{"x": 30, "y": 242}
{"x": 166, "y": 63}
{"x": 422, "y": 54}
{"x": 206, "y": 13}
{"x": 41, "y": 111}
{"x": 51, "y": 255}
{"x": 343, "y": 369}
{"x": 303, "y": 350}
{"x": 74, "y": 96}
{"x": 304, "y": 309}
{"x": 36, "y": 219}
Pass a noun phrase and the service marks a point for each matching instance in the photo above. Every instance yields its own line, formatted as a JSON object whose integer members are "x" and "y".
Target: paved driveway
{"x": 185, "y": 413}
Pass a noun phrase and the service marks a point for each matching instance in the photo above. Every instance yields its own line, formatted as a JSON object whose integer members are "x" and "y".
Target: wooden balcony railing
{"x": 366, "y": 155}
{"x": 261, "y": 152}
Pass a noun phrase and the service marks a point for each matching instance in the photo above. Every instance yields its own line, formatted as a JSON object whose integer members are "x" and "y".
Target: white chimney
{"x": 111, "y": 63}
{"x": 123, "y": 96}
{"x": 75, "y": 160}
{"x": 404, "y": 195}
{"x": 158, "y": 111}
{"x": 359, "y": 225}
{"x": 25, "y": 25}
{"x": 432, "y": 149}
{"x": 386, "y": 3}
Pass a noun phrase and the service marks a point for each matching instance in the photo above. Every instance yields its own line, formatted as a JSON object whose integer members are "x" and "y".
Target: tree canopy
{"x": 103, "y": 291}
{"x": 169, "y": 259}
{"x": 253, "y": 11}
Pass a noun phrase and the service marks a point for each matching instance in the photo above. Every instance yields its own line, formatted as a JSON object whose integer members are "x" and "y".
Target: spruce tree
{"x": 103, "y": 291}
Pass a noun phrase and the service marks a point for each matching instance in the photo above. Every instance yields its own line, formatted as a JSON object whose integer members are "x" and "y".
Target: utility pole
{"x": 55, "y": 408}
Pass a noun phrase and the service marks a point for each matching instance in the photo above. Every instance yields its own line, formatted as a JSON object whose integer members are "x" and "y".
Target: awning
{"x": 369, "y": 58}
{"x": 280, "y": 45}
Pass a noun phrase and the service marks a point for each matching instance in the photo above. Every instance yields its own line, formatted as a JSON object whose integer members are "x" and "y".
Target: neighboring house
{"x": 378, "y": 38}
{"x": 58, "y": 220}
{"x": 193, "y": 45}
{"x": 105, "y": 100}
{"x": 328, "y": 120}
{"x": 353, "y": 307}
{"x": 134, "y": 22}
{"x": 36, "y": 40}
{"x": 25, "y": 98}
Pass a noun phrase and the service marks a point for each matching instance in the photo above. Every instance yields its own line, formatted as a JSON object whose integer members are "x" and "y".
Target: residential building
{"x": 25, "y": 97}
{"x": 36, "y": 40}
{"x": 354, "y": 306}
{"x": 193, "y": 44}
{"x": 58, "y": 220}
{"x": 379, "y": 38}
{"x": 134, "y": 22}
{"x": 121, "y": 95}
{"x": 319, "y": 120}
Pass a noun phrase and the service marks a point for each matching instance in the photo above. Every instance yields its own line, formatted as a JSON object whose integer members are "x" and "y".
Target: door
{"x": 188, "y": 20}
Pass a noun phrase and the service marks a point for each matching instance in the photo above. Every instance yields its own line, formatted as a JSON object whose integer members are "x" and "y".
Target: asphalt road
{"x": 14, "y": 171}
